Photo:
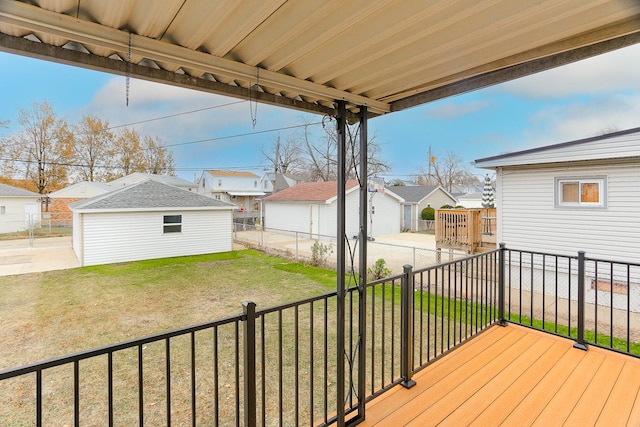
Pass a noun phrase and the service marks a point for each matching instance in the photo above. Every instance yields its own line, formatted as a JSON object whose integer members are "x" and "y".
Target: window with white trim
{"x": 583, "y": 192}
{"x": 3, "y": 210}
{"x": 172, "y": 224}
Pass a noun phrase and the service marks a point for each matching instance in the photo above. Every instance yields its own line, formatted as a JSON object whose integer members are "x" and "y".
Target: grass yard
{"x": 56, "y": 313}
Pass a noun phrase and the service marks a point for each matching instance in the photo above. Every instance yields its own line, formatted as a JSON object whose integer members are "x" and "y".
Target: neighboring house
{"x": 579, "y": 195}
{"x": 273, "y": 182}
{"x": 418, "y": 197}
{"x": 136, "y": 177}
{"x": 19, "y": 209}
{"x": 311, "y": 207}
{"x": 471, "y": 200}
{"x": 240, "y": 188}
{"x": 58, "y": 202}
{"x": 149, "y": 220}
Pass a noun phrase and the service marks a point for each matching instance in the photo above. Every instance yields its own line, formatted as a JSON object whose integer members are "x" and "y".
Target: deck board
{"x": 516, "y": 376}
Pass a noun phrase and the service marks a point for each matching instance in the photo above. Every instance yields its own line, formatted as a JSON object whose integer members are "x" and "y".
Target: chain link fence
{"x": 33, "y": 226}
{"x": 310, "y": 247}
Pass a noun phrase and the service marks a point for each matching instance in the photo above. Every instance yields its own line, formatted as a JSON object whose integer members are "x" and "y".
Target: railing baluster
{"x": 110, "y": 387}
{"x": 311, "y": 371}
{"x": 193, "y": 378}
{"x": 167, "y": 349}
{"x": 501, "y": 267}
{"x": 140, "y": 387}
{"x": 76, "y": 393}
{"x": 406, "y": 331}
{"x": 216, "y": 376}
{"x": 39, "y": 398}
{"x": 249, "y": 335}
{"x": 581, "y": 273}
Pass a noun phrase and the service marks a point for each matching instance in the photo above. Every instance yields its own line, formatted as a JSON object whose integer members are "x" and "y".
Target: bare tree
{"x": 158, "y": 159}
{"x": 43, "y": 150}
{"x": 127, "y": 154}
{"x": 284, "y": 156}
{"x": 447, "y": 171}
{"x": 322, "y": 155}
{"x": 94, "y": 147}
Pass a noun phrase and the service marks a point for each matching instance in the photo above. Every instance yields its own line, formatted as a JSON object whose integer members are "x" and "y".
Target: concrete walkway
{"x": 52, "y": 253}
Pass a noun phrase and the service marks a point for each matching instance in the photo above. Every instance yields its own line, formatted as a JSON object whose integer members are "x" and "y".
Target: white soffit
{"x": 387, "y": 55}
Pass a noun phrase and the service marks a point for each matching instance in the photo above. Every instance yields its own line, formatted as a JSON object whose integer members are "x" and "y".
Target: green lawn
{"x": 55, "y": 313}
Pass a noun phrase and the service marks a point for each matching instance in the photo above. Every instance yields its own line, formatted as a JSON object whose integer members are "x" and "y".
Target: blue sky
{"x": 567, "y": 103}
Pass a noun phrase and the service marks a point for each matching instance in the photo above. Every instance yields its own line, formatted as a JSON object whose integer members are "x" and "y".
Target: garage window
{"x": 172, "y": 224}
{"x": 581, "y": 192}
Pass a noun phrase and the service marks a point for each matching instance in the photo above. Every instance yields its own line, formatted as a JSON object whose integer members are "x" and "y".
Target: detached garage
{"x": 311, "y": 207}
{"x": 149, "y": 220}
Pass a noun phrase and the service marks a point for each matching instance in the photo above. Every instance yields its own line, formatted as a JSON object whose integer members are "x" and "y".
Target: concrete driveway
{"x": 53, "y": 253}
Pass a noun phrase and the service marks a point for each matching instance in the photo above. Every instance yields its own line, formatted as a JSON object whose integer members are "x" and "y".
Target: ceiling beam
{"x": 21, "y": 46}
{"x": 516, "y": 71}
{"x": 89, "y": 34}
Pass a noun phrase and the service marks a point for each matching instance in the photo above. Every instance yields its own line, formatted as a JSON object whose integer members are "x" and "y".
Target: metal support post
{"x": 249, "y": 309}
{"x": 341, "y": 263}
{"x": 501, "y": 268}
{"x": 406, "y": 333}
{"x": 580, "y": 338}
{"x": 362, "y": 272}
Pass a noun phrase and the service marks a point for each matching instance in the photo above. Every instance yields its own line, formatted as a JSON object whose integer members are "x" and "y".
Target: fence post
{"x": 296, "y": 245}
{"x": 249, "y": 309}
{"x": 406, "y": 333}
{"x": 501, "y": 267}
{"x": 580, "y": 338}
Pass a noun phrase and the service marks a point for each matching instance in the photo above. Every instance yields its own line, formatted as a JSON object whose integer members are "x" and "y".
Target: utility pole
{"x": 429, "y": 173}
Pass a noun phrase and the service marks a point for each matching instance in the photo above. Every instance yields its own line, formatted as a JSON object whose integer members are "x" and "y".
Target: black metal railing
{"x": 279, "y": 365}
{"x": 593, "y": 301}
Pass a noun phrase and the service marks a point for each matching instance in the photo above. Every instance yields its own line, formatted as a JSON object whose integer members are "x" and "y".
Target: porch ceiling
{"x": 386, "y": 54}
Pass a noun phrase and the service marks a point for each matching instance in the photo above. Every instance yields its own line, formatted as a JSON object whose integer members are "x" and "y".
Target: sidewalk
{"x": 53, "y": 253}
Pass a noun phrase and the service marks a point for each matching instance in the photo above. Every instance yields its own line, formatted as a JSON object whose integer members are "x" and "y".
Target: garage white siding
{"x": 296, "y": 216}
{"x": 529, "y": 218}
{"x": 289, "y": 216}
{"x": 131, "y": 236}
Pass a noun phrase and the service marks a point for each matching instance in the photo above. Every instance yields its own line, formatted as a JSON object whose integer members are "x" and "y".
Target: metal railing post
{"x": 501, "y": 268}
{"x": 580, "y": 344}
{"x": 406, "y": 333}
{"x": 249, "y": 309}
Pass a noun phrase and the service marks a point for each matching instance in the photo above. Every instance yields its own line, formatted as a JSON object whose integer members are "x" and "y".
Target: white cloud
{"x": 613, "y": 71}
{"x": 581, "y": 120}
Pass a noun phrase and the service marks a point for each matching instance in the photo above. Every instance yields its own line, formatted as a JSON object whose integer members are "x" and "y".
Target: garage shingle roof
{"x": 310, "y": 192}
{"x": 9, "y": 191}
{"x": 413, "y": 193}
{"x": 150, "y": 194}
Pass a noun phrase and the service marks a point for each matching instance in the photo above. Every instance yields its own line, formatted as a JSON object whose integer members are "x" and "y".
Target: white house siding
{"x": 15, "y": 213}
{"x": 386, "y": 219}
{"x": 130, "y": 236}
{"x": 528, "y": 218}
{"x": 289, "y": 216}
{"x": 295, "y": 216}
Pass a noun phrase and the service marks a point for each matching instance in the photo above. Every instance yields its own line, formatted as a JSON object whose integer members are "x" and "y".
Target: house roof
{"x": 139, "y": 176}
{"x": 310, "y": 192}
{"x": 388, "y": 55}
{"x": 103, "y": 186}
{"x": 149, "y": 194}
{"x": 615, "y": 145}
{"x": 232, "y": 173}
{"x": 9, "y": 191}
{"x": 415, "y": 193}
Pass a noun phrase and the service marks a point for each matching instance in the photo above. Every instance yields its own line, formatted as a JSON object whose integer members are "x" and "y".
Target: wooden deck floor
{"x": 515, "y": 376}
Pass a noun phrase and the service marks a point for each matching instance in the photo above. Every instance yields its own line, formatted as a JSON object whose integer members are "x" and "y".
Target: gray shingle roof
{"x": 10, "y": 191}
{"x": 149, "y": 194}
{"x": 413, "y": 193}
